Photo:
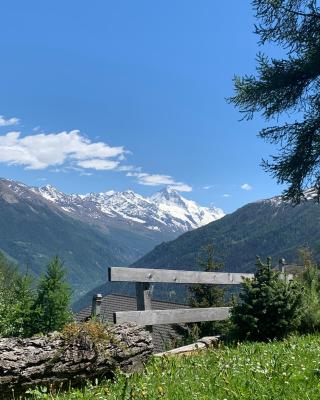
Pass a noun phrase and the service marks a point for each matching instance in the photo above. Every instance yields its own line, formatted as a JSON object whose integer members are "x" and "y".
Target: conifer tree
{"x": 52, "y": 306}
{"x": 269, "y": 307}
{"x": 287, "y": 87}
{"x": 207, "y": 295}
{"x": 23, "y": 307}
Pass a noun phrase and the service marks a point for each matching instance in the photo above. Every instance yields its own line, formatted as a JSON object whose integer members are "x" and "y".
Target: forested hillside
{"x": 265, "y": 228}
{"x": 32, "y": 231}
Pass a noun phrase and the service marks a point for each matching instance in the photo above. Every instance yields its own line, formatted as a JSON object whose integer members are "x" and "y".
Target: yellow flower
{"x": 161, "y": 390}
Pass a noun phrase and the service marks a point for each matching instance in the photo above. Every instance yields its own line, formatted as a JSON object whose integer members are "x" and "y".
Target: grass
{"x": 286, "y": 370}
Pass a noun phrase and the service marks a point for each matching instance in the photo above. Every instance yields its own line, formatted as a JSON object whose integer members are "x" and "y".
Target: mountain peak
{"x": 169, "y": 190}
{"x": 168, "y": 194}
{"x": 50, "y": 193}
{"x": 129, "y": 192}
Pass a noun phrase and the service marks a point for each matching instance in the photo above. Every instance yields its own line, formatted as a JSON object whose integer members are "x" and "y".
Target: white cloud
{"x": 157, "y": 179}
{"x": 126, "y": 168}
{"x": 181, "y": 187}
{"x": 9, "y": 121}
{"x": 246, "y": 186}
{"x": 65, "y": 151}
{"x": 207, "y": 187}
{"x": 43, "y": 150}
{"x": 82, "y": 173}
{"x": 98, "y": 164}
{"x": 226, "y": 195}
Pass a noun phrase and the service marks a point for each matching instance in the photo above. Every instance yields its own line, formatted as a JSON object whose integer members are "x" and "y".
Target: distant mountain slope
{"x": 89, "y": 232}
{"x": 32, "y": 231}
{"x": 266, "y": 228}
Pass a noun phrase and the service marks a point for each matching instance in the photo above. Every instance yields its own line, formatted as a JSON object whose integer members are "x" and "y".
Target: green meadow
{"x": 284, "y": 370}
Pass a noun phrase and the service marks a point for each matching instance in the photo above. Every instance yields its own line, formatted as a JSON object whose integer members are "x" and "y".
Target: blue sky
{"x": 130, "y": 94}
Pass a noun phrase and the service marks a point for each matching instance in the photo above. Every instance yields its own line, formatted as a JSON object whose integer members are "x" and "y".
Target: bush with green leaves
{"x": 270, "y": 306}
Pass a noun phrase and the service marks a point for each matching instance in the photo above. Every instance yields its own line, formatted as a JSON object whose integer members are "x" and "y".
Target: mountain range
{"x": 271, "y": 227}
{"x": 92, "y": 231}
{"x": 166, "y": 211}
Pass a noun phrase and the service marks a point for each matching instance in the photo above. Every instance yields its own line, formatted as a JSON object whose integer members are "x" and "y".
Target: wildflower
{"x": 161, "y": 390}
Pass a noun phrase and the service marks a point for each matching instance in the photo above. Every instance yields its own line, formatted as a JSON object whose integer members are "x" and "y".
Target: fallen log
{"x": 203, "y": 343}
{"x": 82, "y": 352}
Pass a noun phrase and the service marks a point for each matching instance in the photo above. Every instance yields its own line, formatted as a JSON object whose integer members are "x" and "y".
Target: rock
{"x": 82, "y": 352}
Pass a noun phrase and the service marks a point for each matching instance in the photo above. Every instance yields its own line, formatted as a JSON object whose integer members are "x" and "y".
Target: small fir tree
{"x": 207, "y": 295}
{"x": 52, "y": 306}
{"x": 23, "y": 306}
{"x": 269, "y": 308}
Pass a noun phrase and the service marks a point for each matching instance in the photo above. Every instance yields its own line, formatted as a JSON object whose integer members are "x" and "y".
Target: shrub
{"x": 310, "y": 279}
{"x": 269, "y": 307}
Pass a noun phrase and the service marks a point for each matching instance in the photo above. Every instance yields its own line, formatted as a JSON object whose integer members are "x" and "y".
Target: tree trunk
{"x": 58, "y": 359}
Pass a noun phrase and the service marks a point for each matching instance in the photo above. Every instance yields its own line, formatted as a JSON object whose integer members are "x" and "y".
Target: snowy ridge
{"x": 310, "y": 194}
{"x": 165, "y": 210}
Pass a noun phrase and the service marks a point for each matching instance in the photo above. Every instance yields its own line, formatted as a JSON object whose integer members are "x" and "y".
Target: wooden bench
{"x": 143, "y": 277}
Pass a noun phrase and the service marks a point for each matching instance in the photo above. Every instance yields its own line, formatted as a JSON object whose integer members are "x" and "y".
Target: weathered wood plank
{"x": 121, "y": 274}
{"x": 143, "y": 294}
{"x": 173, "y": 316}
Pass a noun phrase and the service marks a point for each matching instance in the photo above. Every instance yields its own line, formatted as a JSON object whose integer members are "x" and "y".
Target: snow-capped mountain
{"x": 90, "y": 232}
{"x": 171, "y": 202}
{"x": 310, "y": 194}
{"x": 165, "y": 210}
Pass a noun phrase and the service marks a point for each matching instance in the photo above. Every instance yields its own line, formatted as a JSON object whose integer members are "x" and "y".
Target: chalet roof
{"x": 163, "y": 335}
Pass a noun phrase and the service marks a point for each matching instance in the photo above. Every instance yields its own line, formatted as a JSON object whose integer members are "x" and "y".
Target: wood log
{"x": 203, "y": 343}
{"x": 58, "y": 359}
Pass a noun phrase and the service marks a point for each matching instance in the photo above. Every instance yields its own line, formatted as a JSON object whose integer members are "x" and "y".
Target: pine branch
{"x": 299, "y": 13}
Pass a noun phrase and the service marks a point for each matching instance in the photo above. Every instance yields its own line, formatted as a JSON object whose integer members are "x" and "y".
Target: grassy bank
{"x": 285, "y": 370}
